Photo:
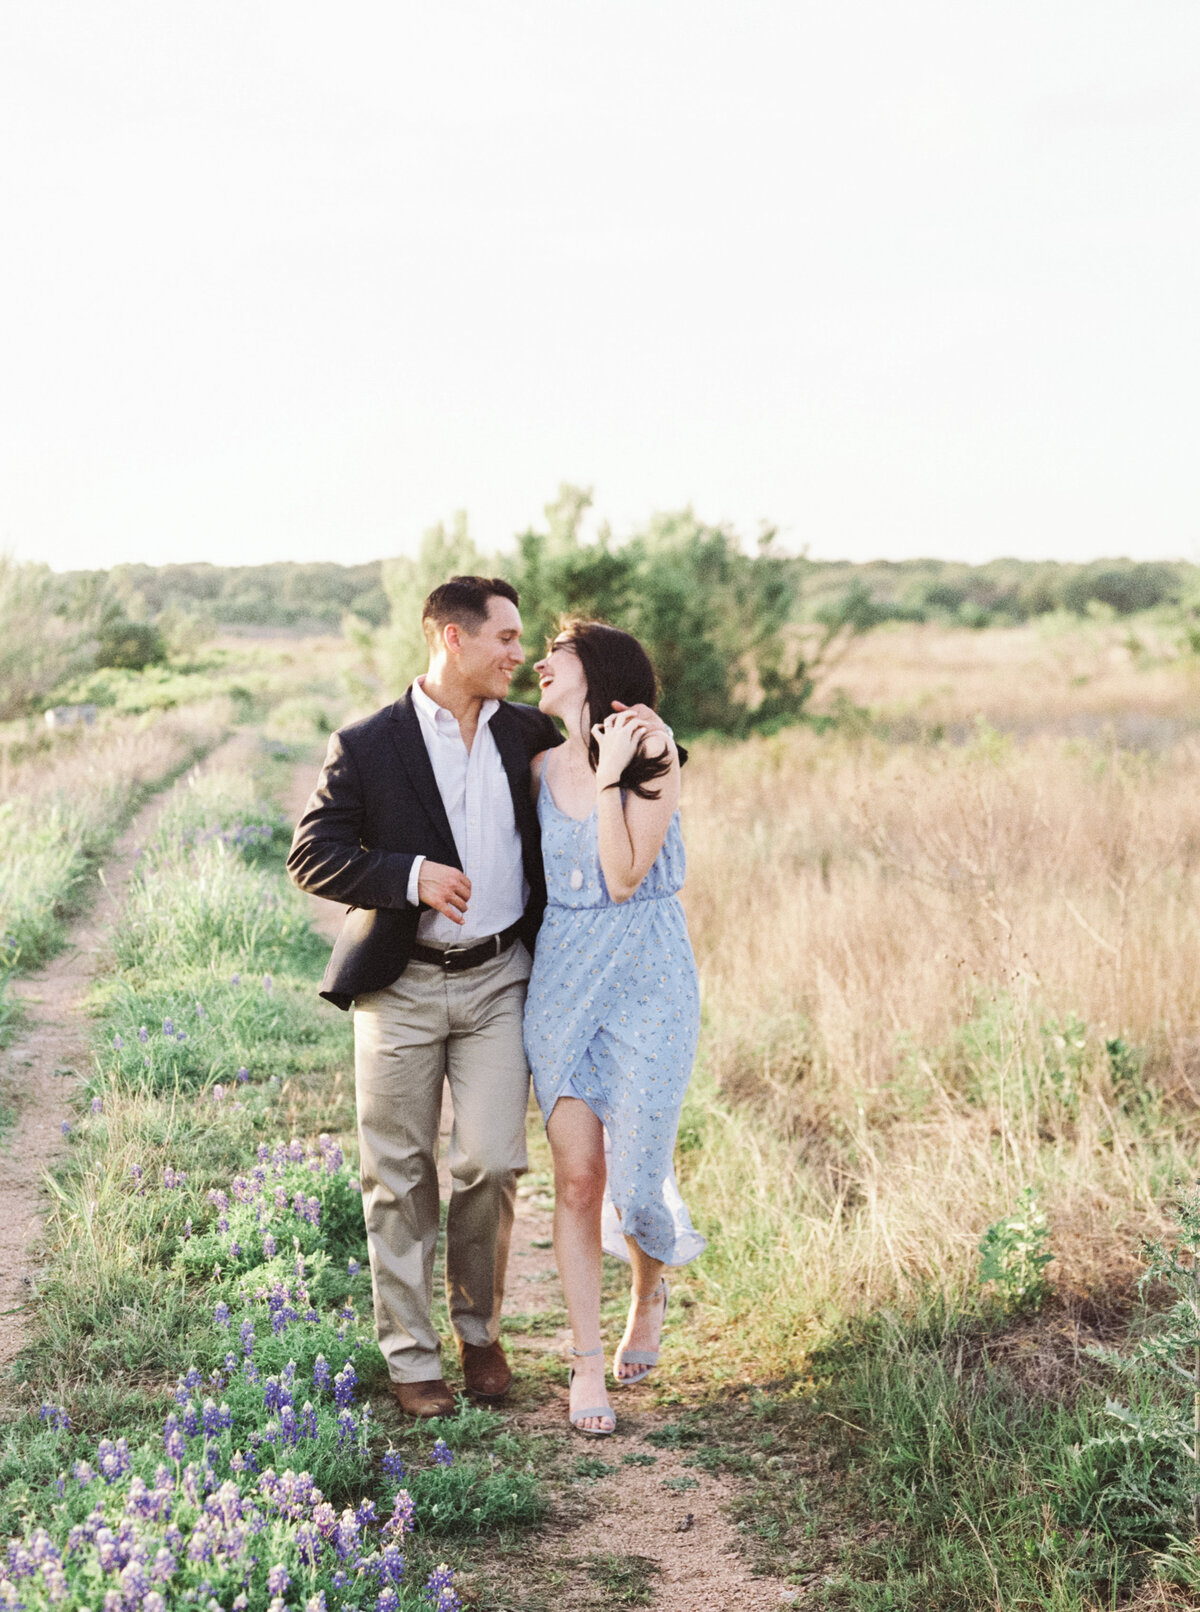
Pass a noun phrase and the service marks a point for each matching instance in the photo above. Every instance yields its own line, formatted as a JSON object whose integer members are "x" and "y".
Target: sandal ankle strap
{"x": 584, "y": 1354}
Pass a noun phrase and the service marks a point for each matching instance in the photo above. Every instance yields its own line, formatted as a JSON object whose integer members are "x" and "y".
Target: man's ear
{"x": 452, "y": 637}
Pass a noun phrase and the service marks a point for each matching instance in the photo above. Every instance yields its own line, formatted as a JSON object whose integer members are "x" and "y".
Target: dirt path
{"x": 51, "y": 1049}
{"x": 649, "y": 1506}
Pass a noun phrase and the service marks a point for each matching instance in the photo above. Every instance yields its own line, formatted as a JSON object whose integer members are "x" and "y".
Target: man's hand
{"x": 649, "y": 720}
{"x": 445, "y": 889}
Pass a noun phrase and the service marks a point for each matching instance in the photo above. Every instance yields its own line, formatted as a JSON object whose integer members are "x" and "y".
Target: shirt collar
{"x": 437, "y": 715}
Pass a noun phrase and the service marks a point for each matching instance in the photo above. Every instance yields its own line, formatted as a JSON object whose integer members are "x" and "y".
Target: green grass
{"x": 194, "y": 1206}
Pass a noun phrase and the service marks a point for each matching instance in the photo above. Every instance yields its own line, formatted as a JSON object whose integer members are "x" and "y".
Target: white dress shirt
{"x": 475, "y": 792}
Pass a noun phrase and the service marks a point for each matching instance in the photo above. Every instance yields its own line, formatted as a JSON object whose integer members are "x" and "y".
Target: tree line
{"x": 738, "y": 630}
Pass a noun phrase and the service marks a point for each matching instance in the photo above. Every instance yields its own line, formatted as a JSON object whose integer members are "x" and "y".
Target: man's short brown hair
{"x": 465, "y": 601}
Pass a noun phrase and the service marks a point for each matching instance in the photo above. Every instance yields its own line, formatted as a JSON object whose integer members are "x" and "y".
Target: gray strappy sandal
{"x": 646, "y": 1358}
{"x": 593, "y": 1410}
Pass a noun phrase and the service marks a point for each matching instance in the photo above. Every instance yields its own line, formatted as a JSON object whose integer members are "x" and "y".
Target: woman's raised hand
{"x": 617, "y": 738}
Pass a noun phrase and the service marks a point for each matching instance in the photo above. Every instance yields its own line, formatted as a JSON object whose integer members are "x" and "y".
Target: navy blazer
{"x": 376, "y": 807}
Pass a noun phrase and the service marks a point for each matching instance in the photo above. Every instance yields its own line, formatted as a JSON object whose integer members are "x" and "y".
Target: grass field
{"x": 947, "y": 946}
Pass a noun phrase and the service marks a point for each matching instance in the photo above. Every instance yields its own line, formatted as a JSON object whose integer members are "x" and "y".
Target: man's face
{"x": 488, "y": 658}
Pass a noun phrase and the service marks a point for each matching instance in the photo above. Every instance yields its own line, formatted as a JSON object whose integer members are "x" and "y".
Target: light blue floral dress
{"x": 612, "y": 1016}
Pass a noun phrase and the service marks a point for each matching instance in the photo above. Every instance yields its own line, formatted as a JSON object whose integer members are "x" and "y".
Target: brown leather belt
{"x": 456, "y": 959}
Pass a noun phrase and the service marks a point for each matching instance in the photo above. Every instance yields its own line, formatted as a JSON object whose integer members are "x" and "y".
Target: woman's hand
{"x": 618, "y": 739}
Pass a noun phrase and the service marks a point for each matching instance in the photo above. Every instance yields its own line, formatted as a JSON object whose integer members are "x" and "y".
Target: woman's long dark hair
{"x": 616, "y": 667}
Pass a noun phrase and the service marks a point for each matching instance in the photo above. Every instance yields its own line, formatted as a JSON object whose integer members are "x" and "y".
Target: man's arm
{"x": 328, "y": 857}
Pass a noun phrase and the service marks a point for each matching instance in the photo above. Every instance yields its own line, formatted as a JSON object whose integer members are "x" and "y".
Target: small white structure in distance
{"x": 70, "y": 716}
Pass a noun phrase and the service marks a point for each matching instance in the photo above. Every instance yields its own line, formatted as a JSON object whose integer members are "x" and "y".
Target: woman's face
{"x": 561, "y": 679}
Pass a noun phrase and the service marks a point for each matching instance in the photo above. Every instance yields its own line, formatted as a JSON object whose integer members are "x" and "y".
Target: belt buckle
{"x": 449, "y": 952}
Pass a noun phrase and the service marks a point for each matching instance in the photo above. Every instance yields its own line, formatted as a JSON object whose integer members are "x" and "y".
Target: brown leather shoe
{"x": 485, "y": 1370}
{"x": 431, "y": 1398}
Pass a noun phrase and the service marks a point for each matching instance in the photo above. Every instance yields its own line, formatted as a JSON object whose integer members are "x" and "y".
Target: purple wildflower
{"x": 113, "y": 1459}
{"x": 442, "y": 1454}
{"x": 269, "y": 1246}
{"x": 82, "y": 1473}
{"x": 143, "y": 1034}
{"x": 235, "y": 979}
{"x": 118, "y": 1043}
{"x": 97, "y": 1105}
{"x": 321, "y": 1377}
{"x": 278, "y": 1580}
{"x": 243, "y": 1075}
{"x": 353, "y": 1267}
{"x": 55, "y": 1415}
{"x": 439, "y": 1589}
{"x": 168, "y": 1028}
{"x": 344, "y": 1385}
{"x": 221, "y": 1313}
{"x": 393, "y": 1465}
{"x": 66, "y": 1127}
{"x": 268, "y": 983}
{"x": 187, "y": 1228}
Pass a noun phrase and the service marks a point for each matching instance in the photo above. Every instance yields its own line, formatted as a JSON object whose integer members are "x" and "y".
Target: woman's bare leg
{"x": 643, "y": 1330}
{"x": 577, "y": 1143}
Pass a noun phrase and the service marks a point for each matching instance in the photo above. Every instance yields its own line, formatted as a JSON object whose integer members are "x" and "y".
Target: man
{"x": 422, "y": 823}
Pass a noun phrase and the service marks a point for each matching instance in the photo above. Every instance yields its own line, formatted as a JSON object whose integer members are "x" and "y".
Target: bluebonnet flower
{"x": 442, "y": 1454}
{"x": 344, "y": 1385}
{"x": 181, "y": 1035}
{"x": 168, "y": 1028}
{"x": 393, "y": 1464}
{"x": 345, "y": 1538}
{"x": 391, "y": 1565}
{"x": 246, "y": 1334}
{"x": 112, "y": 1459}
{"x": 221, "y": 1313}
{"x": 353, "y": 1267}
{"x": 187, "y": 1228}
{"x": 308, "y": 1544}
{"x": 152, "y": 1601}
{"x": 404, "y": 1511}
{"x": 235, "y": 979}
{"x": 268, "y": 983}
{"x": 278, "y": 1580}
{"x": 187, "y": 1385}
{"x": 82, "y": 1473}
{"x": 66, "y": 1127}
{"x": 321, "y": 1377}
{"x": 315, "y": 1603}
{"x": 364, "y": 1513}
{"x": 347, "y": 1427}
{"x": 97, "y": 1105}
{"x": 439, "y": 1588}
{"x": 191, "y": 1419}
{"x": 388, "y": 1600}
{"x": 143, "y": 1034}
{"x": 135, "y": 1173}
{"x": 269, "y": 1246}
{"x": 235, "y": 1250}
{"x": 308, "y": 1420}
{"x": 55, "y": 1415}
{"x": 218, "y": 1094}
{"x": 243, "y": 1075}
{"x": 201, "y": 1013}
{"x": 118, "y": 1043}
{"x": 173, "y": 1179}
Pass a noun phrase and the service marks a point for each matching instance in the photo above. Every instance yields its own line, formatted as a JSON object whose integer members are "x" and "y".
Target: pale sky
{"x": 294, "y": 281}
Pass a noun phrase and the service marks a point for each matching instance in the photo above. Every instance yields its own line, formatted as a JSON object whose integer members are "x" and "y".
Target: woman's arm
{"x": 630, "y": 833}
{"x": 535, "y": 774}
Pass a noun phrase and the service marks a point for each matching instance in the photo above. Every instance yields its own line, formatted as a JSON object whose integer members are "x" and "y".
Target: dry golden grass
{"x": 914, "y": 958}
{"x": 1075, "y": 677}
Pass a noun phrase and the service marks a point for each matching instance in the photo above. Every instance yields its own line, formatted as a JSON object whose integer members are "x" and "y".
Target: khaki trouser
{"x": 426, "y": 1028}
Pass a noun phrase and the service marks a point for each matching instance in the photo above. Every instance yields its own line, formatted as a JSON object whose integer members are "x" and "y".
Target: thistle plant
{"x": 1014, "y": 1255}
{"x": 1170, "y": 1356}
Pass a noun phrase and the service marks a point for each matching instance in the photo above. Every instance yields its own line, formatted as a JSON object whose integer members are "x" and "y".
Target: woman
{"x": 613, "y": 1009}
